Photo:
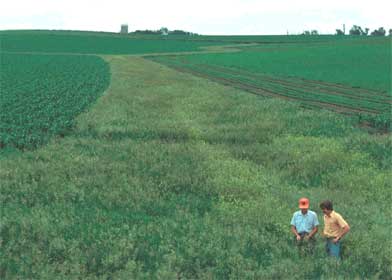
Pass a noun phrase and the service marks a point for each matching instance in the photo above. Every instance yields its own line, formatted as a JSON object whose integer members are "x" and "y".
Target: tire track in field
{"x": 293, "y": 87}
{"x": 339, "y": 108}
{"x": 322, "y": 87}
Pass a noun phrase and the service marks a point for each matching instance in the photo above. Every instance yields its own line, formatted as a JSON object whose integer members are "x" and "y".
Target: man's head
{"x": 303, "y": 204}
{"x": 327, "y": 207}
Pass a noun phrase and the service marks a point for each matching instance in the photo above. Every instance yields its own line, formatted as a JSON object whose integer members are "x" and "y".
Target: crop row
{"x": 50, "y": 91}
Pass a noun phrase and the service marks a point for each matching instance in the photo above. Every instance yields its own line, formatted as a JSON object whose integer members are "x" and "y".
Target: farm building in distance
{"x": 124, "y": 29}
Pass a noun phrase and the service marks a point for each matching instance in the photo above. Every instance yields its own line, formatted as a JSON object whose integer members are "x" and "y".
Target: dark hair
{"x": 326, "y": 204}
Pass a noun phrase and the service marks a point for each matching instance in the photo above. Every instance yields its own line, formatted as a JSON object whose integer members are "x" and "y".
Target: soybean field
{"x": 42, "y": 94}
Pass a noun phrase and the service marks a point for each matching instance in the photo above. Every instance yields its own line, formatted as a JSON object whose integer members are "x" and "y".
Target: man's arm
{"x": 294, "y": 230}
{"x": 346, "y": 229}
{"x": 313, "y": 232}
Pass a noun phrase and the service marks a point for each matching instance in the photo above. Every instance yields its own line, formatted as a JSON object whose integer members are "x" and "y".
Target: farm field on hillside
{"x": 354, "y": 64}
{"x": 42, "y": 94}
{"x": 262, "y": 39}
{"x": 269, "y": 39}
{"x": 365, "y": 64}
{"x": 114, "y": 43}
{"x": 67, "y": 42}
{"x": 171, "y": 176}
{"x": 342, "y": 76}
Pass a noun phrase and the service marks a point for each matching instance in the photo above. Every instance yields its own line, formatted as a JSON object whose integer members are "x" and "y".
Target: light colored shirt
{"x": 304, "y": 223}
{"x": 333, "y": 225}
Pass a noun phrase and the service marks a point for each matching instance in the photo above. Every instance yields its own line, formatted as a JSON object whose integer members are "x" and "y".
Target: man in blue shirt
{"x": 304, "y": 224}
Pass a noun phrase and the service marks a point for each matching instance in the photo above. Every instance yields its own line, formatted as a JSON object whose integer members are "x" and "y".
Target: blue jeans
{"x": 333, "y": 249}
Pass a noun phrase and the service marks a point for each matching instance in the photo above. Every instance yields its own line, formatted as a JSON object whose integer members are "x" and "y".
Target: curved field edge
{"x": 42, "y": 94}
{"x": 173, "y": 176}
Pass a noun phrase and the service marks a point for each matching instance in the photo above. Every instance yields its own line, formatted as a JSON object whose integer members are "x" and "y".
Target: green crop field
{"x": 264, "y": 39}
{"x": 358, "y": 64}
{"x": 177, "y": 171}
{"x": 281, "y": 39}
{"x": 67, "y": 42}
{"x": 345, "y": 76}
{"x": 42, "y": 94}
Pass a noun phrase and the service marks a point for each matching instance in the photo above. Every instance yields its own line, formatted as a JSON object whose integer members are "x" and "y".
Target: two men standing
{"x": 304, "y": 225}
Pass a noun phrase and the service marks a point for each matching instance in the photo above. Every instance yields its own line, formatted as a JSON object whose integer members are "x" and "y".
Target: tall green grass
{"x": 173, "y": 176}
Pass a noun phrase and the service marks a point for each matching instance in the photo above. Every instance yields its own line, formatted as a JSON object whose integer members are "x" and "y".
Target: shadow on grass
{"x": 171, "y": 136}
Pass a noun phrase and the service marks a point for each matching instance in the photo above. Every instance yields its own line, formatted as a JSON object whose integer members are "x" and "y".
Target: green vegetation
{"x": 42, "y": 94}
{"x": 114, "y": 43}
{"x": 90, "y": 43}
{"x": 295, "y": 89}
{"x": 263, "y": 39}
{"x": 173, "y": 176}
{"x": 268, "y": 39}
{"x": 363, "y": 63}
{"x": 351, "y": 77}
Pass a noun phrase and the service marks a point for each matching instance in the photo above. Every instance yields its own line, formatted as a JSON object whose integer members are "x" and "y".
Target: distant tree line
{"x": 359, "y": 31}
{"x": 163, "y": 31}
{"x": 310, "y": 32}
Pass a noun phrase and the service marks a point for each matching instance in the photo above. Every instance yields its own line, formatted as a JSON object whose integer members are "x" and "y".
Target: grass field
{"x": 170, "y": 175}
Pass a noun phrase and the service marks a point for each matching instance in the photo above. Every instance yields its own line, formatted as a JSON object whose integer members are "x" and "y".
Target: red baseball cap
{"x": 303, "y": 203}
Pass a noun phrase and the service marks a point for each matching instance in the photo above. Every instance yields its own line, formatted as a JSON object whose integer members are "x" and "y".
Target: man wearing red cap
{"x": 304, "y": 224}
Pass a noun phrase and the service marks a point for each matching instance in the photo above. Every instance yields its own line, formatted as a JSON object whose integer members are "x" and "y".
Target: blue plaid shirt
{"x": 304, "y": 223}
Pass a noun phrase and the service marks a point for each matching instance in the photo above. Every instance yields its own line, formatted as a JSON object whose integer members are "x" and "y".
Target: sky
{"x": 207, "y": 17}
